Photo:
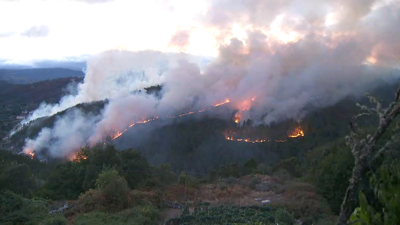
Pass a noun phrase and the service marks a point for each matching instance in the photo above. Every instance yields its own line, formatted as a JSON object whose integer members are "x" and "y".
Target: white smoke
{"x": 289, "y": 59}
{"x": 69, "y": 133}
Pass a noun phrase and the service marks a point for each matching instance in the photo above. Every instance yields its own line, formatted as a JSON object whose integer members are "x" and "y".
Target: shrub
{"x": 301, "y": 199}
{"x": 264, "y": 169}
{"x": 17, "y": 178}
{"x": 146, "y": 215}
{"x": 250, "y": 166}
{"x": 230, "y": 181}
{"x": 222, "y": 186}
{"x": 290, "y": 165}
{"x": 226, "y": 215}
{"x": 329, "y": 168}
{"x": 15, "y": 209}
{"x": 283, "y": 217}
{"x": 107, "y": 176}
{"x": 55, "y": 220}
{"x": 254, "y": 181}
{"x": 386, "y": 183}
{"x": 112, "y": 195}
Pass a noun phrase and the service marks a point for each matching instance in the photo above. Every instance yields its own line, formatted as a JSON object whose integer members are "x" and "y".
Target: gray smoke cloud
{"x": 317, "y": 57}
{"x": 69, "y": 133}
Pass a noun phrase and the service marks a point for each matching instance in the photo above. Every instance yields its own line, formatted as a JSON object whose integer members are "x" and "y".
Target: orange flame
{"x": 237, "y": 118}
{"x": 222, "y": 103}
{"x": 119, "y": 133}
{"x": 248, "y": 140}
{"x": 298, "y": 132}
{"x": 32, "y": 154}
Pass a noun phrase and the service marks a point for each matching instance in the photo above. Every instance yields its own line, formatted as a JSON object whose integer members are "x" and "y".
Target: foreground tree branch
{"x": 364, "y": 151}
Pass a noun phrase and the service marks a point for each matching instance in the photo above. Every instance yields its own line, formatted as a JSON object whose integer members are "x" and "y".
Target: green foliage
{"x": 303, "y": 202}
{"x": 146, "y": 215}
{"x": 55, "y": 220}
{"x": 39, "y": 169}
{"x": 183, "y": 178}
{"x": 254, "y": 182}
{"x": 161, "y": 176}
{"x": 65, "y": 182}
{"x": 185, "y": 211}
{"x": 226, "y": 215}
{"x": 263, "y": 168}
{"x": 386, "y": 184}
{"x": 106, "y": 177}
{"x": 134, "y": 167}
{"x": 283, "y": 217}
{"x": 291, "y": 165}
{"x": 112, "y": 194}
{"x": 15, "y": 209}
{"x": 69, "y": 179}
{"x": 250, "y": 166}
{"x": 17, "y": 178}
{"x": 329, "y": 168}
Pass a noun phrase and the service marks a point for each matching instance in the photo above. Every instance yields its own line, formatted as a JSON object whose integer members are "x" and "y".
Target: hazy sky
{"x": 32, "y": 29}
{"x": 72, "y": 29}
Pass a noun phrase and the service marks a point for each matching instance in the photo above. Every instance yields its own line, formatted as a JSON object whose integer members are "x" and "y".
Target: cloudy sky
{"x": 73, "y": 29}
{"x": 42, "y": 29}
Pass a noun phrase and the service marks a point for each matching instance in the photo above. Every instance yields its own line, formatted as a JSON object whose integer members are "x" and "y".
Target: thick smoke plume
{"x": 296, "y": 56}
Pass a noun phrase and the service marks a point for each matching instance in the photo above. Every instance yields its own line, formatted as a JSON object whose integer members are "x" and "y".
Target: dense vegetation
{"x": 233, "y": 215}
{"x": 189, "y": 160}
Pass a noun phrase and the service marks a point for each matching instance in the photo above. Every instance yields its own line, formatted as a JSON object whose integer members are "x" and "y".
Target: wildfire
{"x": 245, "y": 140}
{"x": 243, "y": 106}
{"x": 32, "y": 154}
{"x": 222, "y": 103}
{"x": 298, "y": 132}
{"x": 236, "y": 118}
{"x": 119, "y": 133}
{"x": 248, "y": 140}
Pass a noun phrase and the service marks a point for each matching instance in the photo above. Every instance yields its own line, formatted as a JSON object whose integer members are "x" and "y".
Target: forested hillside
{"x": 202, "y": 166}
{"x": 20, "y": 99}
{"x": 26, "y": 76}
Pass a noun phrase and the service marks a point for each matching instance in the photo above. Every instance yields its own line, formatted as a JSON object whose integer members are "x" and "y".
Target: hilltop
{"x": 26, "y": 76}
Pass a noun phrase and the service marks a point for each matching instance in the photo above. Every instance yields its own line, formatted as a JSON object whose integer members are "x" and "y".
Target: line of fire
{"x": 242, "y": 131}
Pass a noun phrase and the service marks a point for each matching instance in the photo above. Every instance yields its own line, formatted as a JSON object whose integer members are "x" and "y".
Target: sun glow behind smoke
{"x": 283, "y": 53}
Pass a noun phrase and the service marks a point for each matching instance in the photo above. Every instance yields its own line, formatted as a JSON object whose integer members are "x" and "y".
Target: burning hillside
{"x": 243, "y": 135}
{"x": 270, "y": 64}
{"x": 298, "y": 132}
{"x": 119, "y": 133}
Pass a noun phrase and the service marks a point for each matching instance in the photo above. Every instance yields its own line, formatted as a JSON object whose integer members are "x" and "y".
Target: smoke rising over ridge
{"x": 293, "y": 57}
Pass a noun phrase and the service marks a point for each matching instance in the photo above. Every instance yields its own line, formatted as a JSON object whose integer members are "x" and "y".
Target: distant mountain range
{"x": 26, "y": 76}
